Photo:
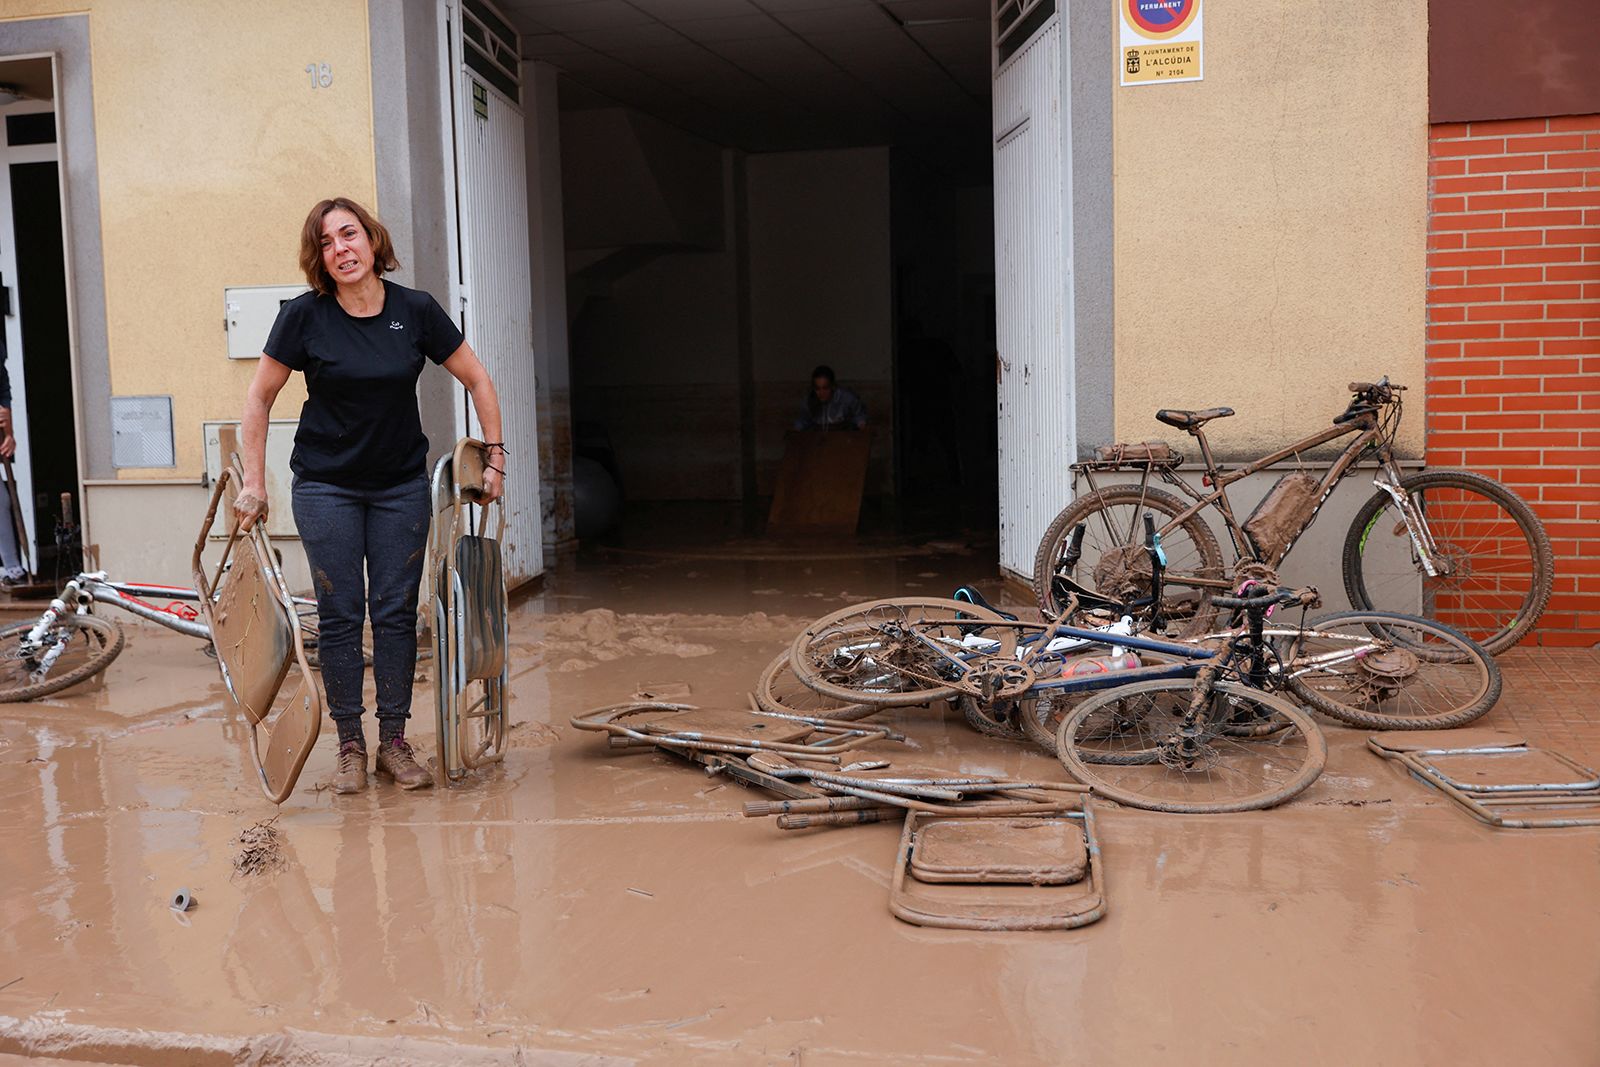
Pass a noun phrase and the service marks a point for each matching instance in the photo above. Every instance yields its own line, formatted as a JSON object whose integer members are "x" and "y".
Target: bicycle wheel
{"x": 1041, "y": 718}
{"x": 1390, "y": 672}
{"x": 781, "y": 693}
{"x": 998, "y": 720}
{"x": 1114, "y": 562}
{"x": 89, "y": 643}
{"x": 1498, "y": 562}
{"x": 1255, "y": 751}
{"x": 862, "y": 654}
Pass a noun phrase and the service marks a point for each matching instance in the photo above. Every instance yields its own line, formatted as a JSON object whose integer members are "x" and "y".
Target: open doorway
{"x": 753, "y": 189}
{"x": 33, "y": 299}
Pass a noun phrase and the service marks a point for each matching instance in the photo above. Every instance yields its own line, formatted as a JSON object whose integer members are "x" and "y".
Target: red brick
{"x": 1503, "y": 127}
{"x": 1525, "y": 478}
{"x": 1538, "y": 329}
{"x": 1504, "y": 312}
{"x": 1463, "y": 294}
{"x": 1539, "y": 365}
{"x": 1508, "y": 457}
{"x": 1538, "y": 255}
{"x": 1464, "y": 403}
{"x": 1583, "y": 236}
{"x": 1565, "y": 217}
{"x": 1485, "y": 349}
{"x": 1565, "y": 272}
{"x": 1565, "y": 199}
{"x": 1479, "y": 258}
{"x": 1457, "y": 368}
{"x": 1480, "y": 146}
{"x": 1544, "y": 292}
{"x": 1463, "y": 331}
{"x": 1504, "y": 202}
{"x": 1459, "y": 277}
{"x": 1456, "y": 313}
{"x": 1501, "y": 275}
{"x": 1536, "y": 403}
{"x": 1572, "y": 160}
{"x": 1573, "y": 420}
{"x": 1446, "y": 204}
{"x": 1504, "y": 385}
{"x": 1496, "y": 164}
{"x": 1555, "y": 142}
{"x": 1484, "y": 439}
{"x": 1537, "y": 181}
{"x": 1521, "y": 421}
{"x": 1590, "y": 366}
{"x": 1444, "y": 458}
{"x": 1476, "y": 184}
{"x": 1444, "y": 168}
{"x": 1574, "y": 122}
{"x": 1446, "y": 240}
{"x": 1573, "y": 311}
{"x": 1449, "y": 129}
{"x": 1444, "y": 223}
{"x": 1442, "y": 350}
{"x": 1492, "y": 238}
{"x": 1546, "y": 439}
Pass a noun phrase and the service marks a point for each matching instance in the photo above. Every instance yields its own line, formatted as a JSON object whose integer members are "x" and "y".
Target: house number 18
{"x": 321, "y": 75}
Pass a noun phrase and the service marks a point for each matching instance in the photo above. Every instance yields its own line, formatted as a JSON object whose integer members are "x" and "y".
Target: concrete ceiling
{"x": 771, "y": 75}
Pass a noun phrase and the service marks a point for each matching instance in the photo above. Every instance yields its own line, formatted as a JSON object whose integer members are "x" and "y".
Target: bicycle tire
{"x": 810, "y": 652}
{"x": 1381, "y": 590}
{"x": 1041, "y": 727}
{"x": 103, "y": 639}
{"x": 1202, "y": 557}
{"x": 1453, "y": 681}
{"x": 781, "y": 693}
{"x": 996, "y": 720}
{"x": 1143, "y": 785}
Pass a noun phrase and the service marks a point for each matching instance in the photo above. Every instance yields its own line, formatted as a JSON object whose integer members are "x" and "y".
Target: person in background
{"x": 361, "y": 496}
{"x": 830, "y": 406}
{"x": 11, "y": 569}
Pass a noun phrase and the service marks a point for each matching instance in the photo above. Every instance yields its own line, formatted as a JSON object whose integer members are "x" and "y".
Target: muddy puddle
{"x": 584, "y": 904}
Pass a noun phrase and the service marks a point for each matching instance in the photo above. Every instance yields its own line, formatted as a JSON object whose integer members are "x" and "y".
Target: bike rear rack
{"x": 471, "y": 627}
{"x": 1498, "y": 778}
{"x": 255, "y": 631}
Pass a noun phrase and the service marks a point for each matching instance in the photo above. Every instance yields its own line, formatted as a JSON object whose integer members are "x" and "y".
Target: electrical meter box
{"x": 248, "y": 314}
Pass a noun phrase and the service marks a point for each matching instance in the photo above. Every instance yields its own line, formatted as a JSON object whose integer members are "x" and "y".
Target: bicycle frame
{"x": 85, "y": 590}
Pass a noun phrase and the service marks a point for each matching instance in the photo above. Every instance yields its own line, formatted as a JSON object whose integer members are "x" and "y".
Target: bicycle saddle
{"x": 1191, "y": 420}
{"x": 977, "y": 599}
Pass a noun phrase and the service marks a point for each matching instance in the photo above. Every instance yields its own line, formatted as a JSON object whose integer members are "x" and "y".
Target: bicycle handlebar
{"x": 1376, "y": 392}
{"x": 1283, "y": 595}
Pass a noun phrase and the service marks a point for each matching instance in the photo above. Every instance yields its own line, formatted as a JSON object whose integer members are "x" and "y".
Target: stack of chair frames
{"x": 467, "y": 589}
{"x": 256, "y": 634}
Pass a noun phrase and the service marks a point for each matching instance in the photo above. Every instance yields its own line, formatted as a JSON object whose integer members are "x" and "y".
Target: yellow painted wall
{"x": 1271, "y": 221}
{"x": 212, "y": 147}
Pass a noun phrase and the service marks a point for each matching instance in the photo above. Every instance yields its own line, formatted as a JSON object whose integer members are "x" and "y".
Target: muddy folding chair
{"x": 1498, "y": 777}
{"x": 467, "y": 588}
{"x": 256, "y": 634}
{"x": 1041, "y": 872}
{"x": 686, "y": 729}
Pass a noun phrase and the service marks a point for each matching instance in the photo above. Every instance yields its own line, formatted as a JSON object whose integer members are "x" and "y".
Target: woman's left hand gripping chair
{"x": 256, "y": 633}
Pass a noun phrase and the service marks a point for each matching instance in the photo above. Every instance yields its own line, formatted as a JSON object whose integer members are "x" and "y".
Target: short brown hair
{"x": 317, "y": 275}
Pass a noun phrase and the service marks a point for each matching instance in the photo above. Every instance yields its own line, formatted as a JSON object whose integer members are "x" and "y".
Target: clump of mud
{"x": 260, "y": 849}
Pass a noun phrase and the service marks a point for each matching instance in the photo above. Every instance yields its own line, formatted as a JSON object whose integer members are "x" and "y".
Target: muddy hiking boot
{"x": 350, "y": 775}
{"x": 397, "y": 761}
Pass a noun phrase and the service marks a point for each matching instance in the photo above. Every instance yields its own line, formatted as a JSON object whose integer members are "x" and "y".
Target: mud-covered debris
{"x": 260, "y": 849}
{"x": 532, "y": 735}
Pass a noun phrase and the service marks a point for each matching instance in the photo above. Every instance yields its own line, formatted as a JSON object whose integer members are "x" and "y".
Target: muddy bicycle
{"x": 68, "y": 643}
{"x": 1015, "y": 678}
{"x": 1451, "y": 545}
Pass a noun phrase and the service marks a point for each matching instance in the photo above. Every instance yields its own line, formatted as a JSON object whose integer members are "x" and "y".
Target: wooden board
{"x": 820, "y": 482}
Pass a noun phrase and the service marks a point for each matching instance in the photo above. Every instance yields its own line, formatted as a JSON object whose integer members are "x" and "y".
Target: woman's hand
{"x": 249, "y": 506}
{"x": 494, "y": 478}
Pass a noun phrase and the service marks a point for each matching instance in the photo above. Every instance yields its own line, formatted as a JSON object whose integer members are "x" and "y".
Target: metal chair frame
{"x": 1505, "y": 805}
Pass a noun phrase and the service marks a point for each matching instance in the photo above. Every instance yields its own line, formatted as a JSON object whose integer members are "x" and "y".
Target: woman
{"x": 361, "y": 495}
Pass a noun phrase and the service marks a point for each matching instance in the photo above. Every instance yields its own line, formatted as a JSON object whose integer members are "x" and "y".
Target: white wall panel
{"x": 1033, "y": 270}
{"x": 498, "y": 302}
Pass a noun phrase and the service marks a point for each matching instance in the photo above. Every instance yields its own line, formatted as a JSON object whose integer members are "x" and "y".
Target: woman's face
{"x": 346, "y": 249}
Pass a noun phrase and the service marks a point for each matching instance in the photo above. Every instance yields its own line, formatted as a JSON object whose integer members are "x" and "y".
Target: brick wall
{"x": 1514, "y": 333}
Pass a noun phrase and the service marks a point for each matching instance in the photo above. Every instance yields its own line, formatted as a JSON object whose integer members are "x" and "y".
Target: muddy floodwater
{"x": 580, "y": 904}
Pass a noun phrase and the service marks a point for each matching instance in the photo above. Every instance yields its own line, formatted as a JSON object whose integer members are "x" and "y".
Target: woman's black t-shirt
{"x": 360, "y": 427}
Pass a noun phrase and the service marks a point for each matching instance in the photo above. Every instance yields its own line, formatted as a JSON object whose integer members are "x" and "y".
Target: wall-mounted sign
{"x": 1161, "y": 41}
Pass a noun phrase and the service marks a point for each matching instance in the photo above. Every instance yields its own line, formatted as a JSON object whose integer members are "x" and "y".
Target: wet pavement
{"x": 581, "y": 904}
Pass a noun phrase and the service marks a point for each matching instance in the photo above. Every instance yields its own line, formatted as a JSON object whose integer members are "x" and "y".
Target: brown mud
{"x": 582, "y": 904}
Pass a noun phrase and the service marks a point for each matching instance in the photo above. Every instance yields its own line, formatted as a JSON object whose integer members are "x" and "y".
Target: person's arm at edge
{"x": 467, "y": 369}
{"x": 251, "y": 503}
